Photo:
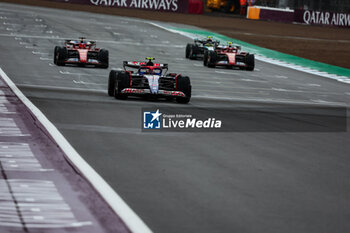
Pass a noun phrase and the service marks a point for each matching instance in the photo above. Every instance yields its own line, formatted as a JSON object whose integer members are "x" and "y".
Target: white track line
{"x": 130, "y": 218}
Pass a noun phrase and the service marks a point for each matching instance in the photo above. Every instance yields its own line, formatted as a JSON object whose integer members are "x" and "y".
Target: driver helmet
{"x": 209, "y": 39}
{"x": 149, "y": 63}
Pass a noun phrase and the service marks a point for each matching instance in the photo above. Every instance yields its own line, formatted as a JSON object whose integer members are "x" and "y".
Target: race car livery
{"x": 149, "y": 80}
{"x": 229, "y": 56}
{"x": 81, "y": 52}
{"x": 197, "y": 49}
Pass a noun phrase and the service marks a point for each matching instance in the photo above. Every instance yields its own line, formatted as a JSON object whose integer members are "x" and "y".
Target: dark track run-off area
{"x": 185, "y": 182}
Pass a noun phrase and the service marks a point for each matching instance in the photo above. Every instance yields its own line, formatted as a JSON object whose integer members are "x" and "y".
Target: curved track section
{"x": 185, "y": 182}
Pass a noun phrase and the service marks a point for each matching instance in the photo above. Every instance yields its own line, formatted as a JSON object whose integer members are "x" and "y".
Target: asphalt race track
{"x": 243, "y": 182}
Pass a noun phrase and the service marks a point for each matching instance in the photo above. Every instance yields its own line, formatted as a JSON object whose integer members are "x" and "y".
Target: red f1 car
{"x": 229, "y": 56}
{"x": 81, "y": 52}
{"x": 149, "y": 80}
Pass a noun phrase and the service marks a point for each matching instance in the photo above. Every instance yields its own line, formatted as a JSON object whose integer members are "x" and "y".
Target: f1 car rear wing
{"x": 205, "y": 40}
{"x": 74, "y": 42}
{"x": 138, "y": 64}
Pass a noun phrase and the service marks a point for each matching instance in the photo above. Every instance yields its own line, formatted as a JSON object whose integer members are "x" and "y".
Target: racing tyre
{"x": 55, "y": 56}
{"x": 122, "y": 81}
{"x": 205, "y": 58}
{"x": 184, "y": 85}
{"x": 192, "y": 54}
{"x": 103, "y": 58}
{"x": 188, "y": 48}
{"x": 111, "y": 82}
{"x": 250, "y": 61}
{"x": 211, "y": 60}
{"x": 61, "y": 55}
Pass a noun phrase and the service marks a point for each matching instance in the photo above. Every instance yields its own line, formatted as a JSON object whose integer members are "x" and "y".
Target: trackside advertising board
{"x": 310, "y": 17}
{"x": 322, "y": 18}
{"x": 179, "y": 6}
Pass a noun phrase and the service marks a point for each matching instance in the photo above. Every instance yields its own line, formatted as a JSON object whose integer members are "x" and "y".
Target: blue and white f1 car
{"x": 149, "y": 79}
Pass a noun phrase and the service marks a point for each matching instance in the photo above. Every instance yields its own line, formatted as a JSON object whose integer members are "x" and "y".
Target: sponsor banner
{"x": 322, "y": 18}
{"x": 276, "y": 15}
{"x": 179, "y": 6}
{"x": 268, "y": 119}
{"x": 195, "y": 7}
